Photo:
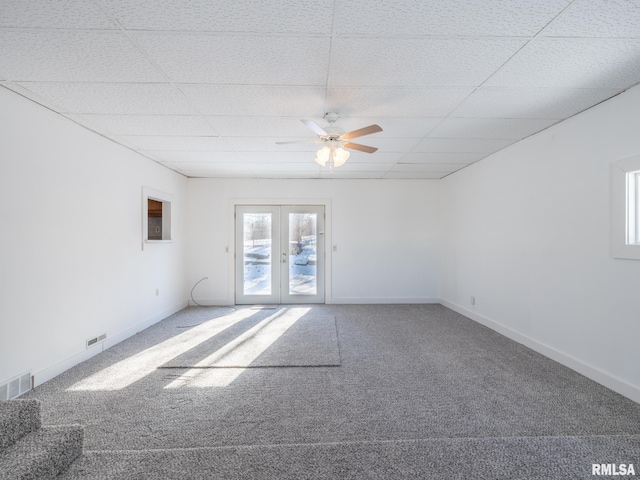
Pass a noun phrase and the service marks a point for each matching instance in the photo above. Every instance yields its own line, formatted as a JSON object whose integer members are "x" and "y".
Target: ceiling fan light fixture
{"x": 322, "y": 156}
{"x": 340, "y": 156}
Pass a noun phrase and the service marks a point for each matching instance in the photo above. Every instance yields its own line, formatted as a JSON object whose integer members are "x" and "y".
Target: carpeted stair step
{"x": 17, "y": 419}
{"x": 42, "y": 454}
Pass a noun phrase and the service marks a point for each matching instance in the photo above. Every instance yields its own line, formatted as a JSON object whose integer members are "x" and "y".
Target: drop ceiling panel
{"x": 239, "y": 59}
{"x": 208, "y": 87}
{"x": 175, "y": 143}
{"x": 392, "y": 127}
{"x": 219, "y": 168}
{"x": 388, "y": 144}
{"x": 73, "y": 56}
{"x": 268, "y": 144}
{"x": 147, "y": 124}
{"x": 366, "y": 167}
{"x": 256, "y": 100}
{"x": 199, "y": 157}
{"x": 305, "y": 158}
{"x": 266, "y": 16}
{"x": 427, "y": 168}
{"x": 441, "y": 157}
{"x": 417, "y": 62}
{"x": 272, "y": 167}
{"x": 395, "y": 101}
{"x": 281, "y": 127}
{"x": 471, "y": 145}
{"x": 496, "y": 102}
{"x": 597, "y": 18}
{"x": 573, "y": 63}
{"x": 451, "y": 17}
{"x": 378, "y": 157}
{"x": 53, "y": 14}
{"x": 490, "y": 128}
{"x": 114, "y": 98}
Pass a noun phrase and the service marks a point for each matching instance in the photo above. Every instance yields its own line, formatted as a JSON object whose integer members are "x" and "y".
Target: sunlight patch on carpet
{"x": 124, "y": 373}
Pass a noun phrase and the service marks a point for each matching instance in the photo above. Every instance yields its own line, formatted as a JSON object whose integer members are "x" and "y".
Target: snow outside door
{"x": 279, "y": 254}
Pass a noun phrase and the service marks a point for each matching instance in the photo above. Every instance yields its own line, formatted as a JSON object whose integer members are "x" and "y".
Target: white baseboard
{"x": 616, "y": 384}
{"x": 382, "y": 300}
{"x": 52, "y": 371}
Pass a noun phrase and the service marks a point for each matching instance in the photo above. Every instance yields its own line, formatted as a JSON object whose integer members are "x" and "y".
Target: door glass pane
{"x": 302, "y": 253}
{"x": 257, "y": 254}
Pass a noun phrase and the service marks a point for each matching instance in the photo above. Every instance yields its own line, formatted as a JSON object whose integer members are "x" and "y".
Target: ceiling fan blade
{"x": 362, "y": 148}
{"x": 315, "y": 127}
{"x": 361, "y": 132}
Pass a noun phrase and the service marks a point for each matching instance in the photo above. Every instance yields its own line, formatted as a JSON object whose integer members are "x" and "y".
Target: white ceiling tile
{"x": 280, "y": 127}
{"x": 198, "y": 157}
{"x": 147, "y": 124}
{"x": 73, "y": 56}
{"x": 256, "y": 100}
{"x": 19, "y": 89}
{"x": 377, "y": 157}
{"x": 597, "y": 18}
{"x": 441, "y": 157}
{"x": 310, "y": 16}
{"x": 451, "y": 17}
{"x": 395, "y": 102}
{"x": 428, "y": 168}
{"x": 268, "y": 144}
{"x": 113, "y": 98}
{"x": 391, "y": 126}
{"x": 239, "y": 59}
{"x": 471, "y": 145}
{"x": 502, "y": 102}
{"x": 277, "y": 157}
{"x": 207, "y": 169}
{"x": 282, "y": 167}
{"x": 56, "y": 14}
{"x": 418, "y": 62}
{"x": 388, "y": 144}
{"x": 175, "y": 143}
{"x": 573, "y": 63}
{"x": 366, "y": 167}
{"x": 490, "y": 128}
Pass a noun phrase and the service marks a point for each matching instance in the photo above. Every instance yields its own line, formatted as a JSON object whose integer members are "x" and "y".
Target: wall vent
{"x": 94, "y": 340}
{"x": 15, "y": 387}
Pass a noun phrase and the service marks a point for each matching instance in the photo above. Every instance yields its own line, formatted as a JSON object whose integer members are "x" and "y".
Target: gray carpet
{"x": 286, "y": 337}
{"x": 421, "y": 392}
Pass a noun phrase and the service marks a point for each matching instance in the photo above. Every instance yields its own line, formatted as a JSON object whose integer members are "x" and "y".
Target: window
{"x": 156, "y": 216}
{"x": 625, "y": 208}
{"x": 633, "y": 208}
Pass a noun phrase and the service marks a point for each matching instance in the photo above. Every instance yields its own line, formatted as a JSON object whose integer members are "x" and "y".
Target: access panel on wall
{"x": 279, "y": 254}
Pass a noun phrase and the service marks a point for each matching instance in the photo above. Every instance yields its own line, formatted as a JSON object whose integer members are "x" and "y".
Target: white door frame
{"x": 231, "y": 208}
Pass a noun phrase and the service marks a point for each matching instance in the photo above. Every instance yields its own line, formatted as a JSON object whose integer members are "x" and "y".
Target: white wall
{"x": 71, "y": 262}
{"x": 527, "y": 232}
{"x": 386, "y": 233}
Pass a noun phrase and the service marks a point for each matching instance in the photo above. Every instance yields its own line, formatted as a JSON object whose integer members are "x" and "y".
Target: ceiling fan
{"x": 334, "y": 141}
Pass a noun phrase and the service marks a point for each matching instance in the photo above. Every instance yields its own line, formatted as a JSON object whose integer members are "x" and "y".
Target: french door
{"x": 279, "y": 254}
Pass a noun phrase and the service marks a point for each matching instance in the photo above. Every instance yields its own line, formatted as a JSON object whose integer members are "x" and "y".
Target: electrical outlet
{"x": 226, "y": 249}
{"x": 335, "y": 248}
